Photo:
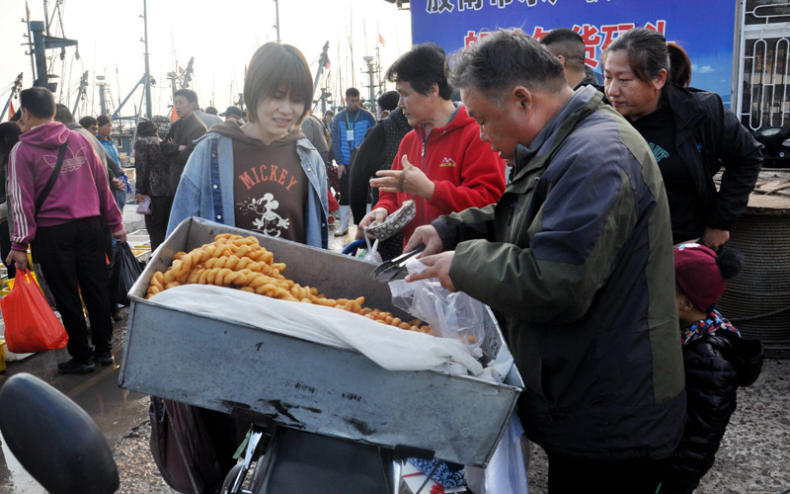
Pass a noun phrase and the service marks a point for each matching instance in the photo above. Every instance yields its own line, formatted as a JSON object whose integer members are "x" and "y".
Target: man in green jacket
{"x": 577, "y": 259}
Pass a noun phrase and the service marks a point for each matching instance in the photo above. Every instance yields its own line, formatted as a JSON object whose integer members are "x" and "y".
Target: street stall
{"x": 228, "y": 363}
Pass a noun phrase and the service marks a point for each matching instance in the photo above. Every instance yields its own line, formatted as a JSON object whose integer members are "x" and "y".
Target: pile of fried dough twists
{"x": 241, "y": 262}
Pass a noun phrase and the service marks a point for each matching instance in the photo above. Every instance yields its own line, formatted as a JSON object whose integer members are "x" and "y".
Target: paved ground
{"x": 755, "y": 452}
{"x": 754, "y": 456}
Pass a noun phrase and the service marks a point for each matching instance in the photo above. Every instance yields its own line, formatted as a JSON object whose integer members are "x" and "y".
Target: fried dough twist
{"x": 241, "y": 262}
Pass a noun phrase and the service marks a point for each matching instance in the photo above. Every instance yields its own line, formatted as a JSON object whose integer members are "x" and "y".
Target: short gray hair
{"x": 505, "y": 59}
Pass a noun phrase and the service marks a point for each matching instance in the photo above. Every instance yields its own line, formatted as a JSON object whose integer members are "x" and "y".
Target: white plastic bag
{"x": 371, "y": 254}
{"x": 507, "y": 470}
{"x": 453, "y": 315}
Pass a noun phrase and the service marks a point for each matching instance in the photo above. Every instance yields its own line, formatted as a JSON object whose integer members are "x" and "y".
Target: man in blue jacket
{"x": 348, "y": 131}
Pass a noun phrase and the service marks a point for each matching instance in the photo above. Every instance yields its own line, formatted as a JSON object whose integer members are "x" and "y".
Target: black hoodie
{"x": 269, "y": 186}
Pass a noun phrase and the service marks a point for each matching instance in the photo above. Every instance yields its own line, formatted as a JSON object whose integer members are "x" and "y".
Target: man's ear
{"x": 523, "y": 96}
{"x": 434, "y": 90}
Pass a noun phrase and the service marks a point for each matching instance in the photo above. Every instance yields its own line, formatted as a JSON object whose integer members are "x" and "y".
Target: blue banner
{"x": 704, "y": 28}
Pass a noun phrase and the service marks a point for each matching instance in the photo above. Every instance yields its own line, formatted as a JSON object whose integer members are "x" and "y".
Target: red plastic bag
{"x": 30, "y": 324}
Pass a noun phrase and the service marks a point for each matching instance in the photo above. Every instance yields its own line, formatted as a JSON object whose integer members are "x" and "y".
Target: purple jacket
{"x": 80, "y": 191}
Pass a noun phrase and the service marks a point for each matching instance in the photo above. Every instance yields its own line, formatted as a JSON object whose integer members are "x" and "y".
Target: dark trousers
{"x": 72, "y": 258}
{"x": 156, "y": 222}
{"x": 344, "y": 187}
{"x": 5, "y": 248}
{"x": 573, "y": 475}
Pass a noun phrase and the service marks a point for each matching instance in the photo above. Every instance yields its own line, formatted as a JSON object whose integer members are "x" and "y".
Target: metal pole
{"x": 41, "y": 55}
{"x": 46, "y": 16}
{"x": 372, "y": 86}
{"x": 81, "y": 93}
{"x": 14, "y": 89}
{"x": 32, "y": 51}
{"x": 147, "y": 70}
{"x": 7, "y": 102}
{"x": 277, "y": 18}
{"x": 102, "y": 100}
{"x": 137, "y": 120}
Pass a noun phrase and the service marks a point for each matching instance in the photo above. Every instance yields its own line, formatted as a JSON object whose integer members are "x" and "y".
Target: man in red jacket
{"x": 442, "y": 164}
{"x": 66, "y": 226}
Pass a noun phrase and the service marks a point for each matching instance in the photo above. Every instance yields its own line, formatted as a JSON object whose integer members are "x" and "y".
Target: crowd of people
{"x": 584, "y": 214}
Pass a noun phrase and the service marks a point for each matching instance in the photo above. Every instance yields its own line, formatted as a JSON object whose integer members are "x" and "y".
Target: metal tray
{"x": 224, "y": 365}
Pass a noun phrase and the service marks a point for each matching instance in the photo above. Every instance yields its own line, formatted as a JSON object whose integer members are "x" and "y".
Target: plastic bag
{"x": 125, "y": 271}
{"x": 144, "y": 206}
{"x": 371, "y": 254}
{"x": 507, "y": 470}
{"x": 30, "y": 324}
{"x": 451, "y": 315}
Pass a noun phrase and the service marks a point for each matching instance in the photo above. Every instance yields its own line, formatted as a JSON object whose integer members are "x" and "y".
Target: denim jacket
{"x": 207, "y": 191}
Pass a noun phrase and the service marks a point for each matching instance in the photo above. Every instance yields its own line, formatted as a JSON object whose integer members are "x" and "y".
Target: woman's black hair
{"x": 146, "y": 128}
{"x": 389, "y": 100}
{"x": 9, "y": 136}
{"x": 86, "y": 122}
{"x": 276, "y": 67}
{"x": 647, "y": 52}
{"x": 680, "y": 65}
{"x": 729, "y": 261}
{"x": 422, "y": 67}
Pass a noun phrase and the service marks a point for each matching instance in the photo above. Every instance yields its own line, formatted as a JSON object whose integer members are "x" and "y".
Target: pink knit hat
{"x": 698, "y": 274}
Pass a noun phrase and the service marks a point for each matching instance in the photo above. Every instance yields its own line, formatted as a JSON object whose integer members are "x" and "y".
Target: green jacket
{"x": 577, "y": 258}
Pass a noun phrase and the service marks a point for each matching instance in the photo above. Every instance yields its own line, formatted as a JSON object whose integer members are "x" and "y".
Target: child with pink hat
{"x": 716, "y": 358}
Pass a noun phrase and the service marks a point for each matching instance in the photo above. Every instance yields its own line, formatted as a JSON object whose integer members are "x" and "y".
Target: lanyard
{"x": 356, "y": 117}
{"x": 351, "y": 128}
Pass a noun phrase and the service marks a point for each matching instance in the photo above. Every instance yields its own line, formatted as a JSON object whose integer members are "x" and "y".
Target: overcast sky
{"x": 221, "y": 35}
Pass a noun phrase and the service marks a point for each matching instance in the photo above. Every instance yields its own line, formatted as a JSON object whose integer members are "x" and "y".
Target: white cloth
{"x": 390, "y": 347}
{"x": 507, "y": 470}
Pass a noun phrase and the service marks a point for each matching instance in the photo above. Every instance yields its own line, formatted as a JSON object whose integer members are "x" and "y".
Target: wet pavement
{"x": 114, "y": 410}
{"x": 755, "y": 452}
{"x": 753, "y": 457}
{"x": 122, "y": 415}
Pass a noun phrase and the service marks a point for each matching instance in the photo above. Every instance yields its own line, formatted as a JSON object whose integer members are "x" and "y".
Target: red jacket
{"x": 465, "y": 170}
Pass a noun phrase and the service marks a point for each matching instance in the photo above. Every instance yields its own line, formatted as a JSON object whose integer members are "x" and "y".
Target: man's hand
{"x": 411, "y": 180}
{"x": 714, "y": 238}
{"x": 438, "y": 267}
{"x": 340, "y": 170}
{"x": 378, "y": 215}
{"x": 140, "y": 197}
{"x": 17, "y": 257}
{"x": 429, "y": 237}
{"x": 117, "y": 184}
{"x": 120, "y": 234}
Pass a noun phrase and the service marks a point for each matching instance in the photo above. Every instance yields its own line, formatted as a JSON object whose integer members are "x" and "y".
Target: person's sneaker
{"x": 103, "y": 359}
{"x": 75, "y": 366}
{"x": 116, "y": 316}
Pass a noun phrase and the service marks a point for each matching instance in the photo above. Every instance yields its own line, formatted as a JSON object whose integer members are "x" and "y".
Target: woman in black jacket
{"x": 717, "y": 362}
{"x": 691, "y": 135}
